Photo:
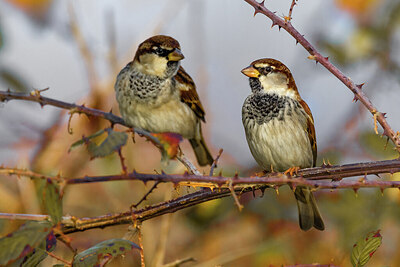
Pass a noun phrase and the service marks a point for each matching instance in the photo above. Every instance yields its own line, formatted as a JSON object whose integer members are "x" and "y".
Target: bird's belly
{"x": 281, "y": 144}
{"x": 173, "y": 116}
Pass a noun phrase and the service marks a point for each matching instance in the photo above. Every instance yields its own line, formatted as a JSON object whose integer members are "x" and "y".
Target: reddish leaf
{"x": 170, "y": 143}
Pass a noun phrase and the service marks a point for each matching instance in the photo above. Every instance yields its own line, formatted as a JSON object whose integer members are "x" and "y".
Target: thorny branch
{"x": 324, "y": 61}
{"x": 224, "y": 186}
{"x": 307, "y": 177}
{"x": 35, "y": 96}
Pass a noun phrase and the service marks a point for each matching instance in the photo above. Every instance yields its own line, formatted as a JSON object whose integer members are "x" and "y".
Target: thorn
{"x": 162, "y": 172}
{"x": 297, "y": 41}
{"x": 355, "y": 99}
{"x": 262, "y": 191}
{"x": 327, "y": 58}
{"x": 376, "y": 174}
{"x": 262, "y": 2}
{"x": 186, "y": 174}
{"x": 220, "y": 174}
{"x": 276, "y": 190}
{"x": 382, "y": 188}
{"x": 254, "y": 192}
{"x": 273, "y": 24}
{"x": 355, "y": 191}
{"x": 359, "y": 86}
{"x": 236, "y": 175}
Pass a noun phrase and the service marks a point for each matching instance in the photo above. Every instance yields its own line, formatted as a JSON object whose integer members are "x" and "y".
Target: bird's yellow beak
{"x": 250, "y": 72}
{"x": 175, "y": 55}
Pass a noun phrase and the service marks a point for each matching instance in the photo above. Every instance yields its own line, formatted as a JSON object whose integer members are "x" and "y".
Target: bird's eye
{"x": 268, "y": 69}
{"x": 158, "y": 50}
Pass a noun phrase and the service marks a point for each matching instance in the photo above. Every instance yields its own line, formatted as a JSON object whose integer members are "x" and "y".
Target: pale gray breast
{"x": 276, "y": 131}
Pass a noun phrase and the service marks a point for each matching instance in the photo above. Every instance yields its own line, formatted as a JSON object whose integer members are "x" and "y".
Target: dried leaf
{"x": 170, "y": 143}
{"x": 85, "y": 140}
{"x": 101, "y": 253}
{"x": 365, "y": 248}
{"x": 53, "y": 201}
{"x": 22, "y": 242}
{"x": 113, "y": 142}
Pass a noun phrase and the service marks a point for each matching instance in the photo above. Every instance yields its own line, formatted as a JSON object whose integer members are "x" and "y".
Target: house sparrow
{"x": 280, "y": 130}
{"x": 155, "y": 93}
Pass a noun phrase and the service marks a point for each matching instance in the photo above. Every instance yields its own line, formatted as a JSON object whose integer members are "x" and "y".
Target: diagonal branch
{"x": 35, "y": 96}
{"x": 315, "y": 55}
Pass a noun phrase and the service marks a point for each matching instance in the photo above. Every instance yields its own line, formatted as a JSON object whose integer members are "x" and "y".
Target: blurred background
{"x": 76, "y": 49}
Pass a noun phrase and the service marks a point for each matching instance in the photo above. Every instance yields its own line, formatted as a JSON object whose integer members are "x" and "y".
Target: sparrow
{"x": 156, "y": 94}
{"x": 280, "y": 130}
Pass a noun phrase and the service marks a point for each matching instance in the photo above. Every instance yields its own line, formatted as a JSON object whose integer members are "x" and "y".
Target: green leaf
{"x": 39, "y": 253}
{"x": 22, "y": 242}
{"x": 103, "y": 252}
{"x": 85, "y": 140}
{"x": 365, "y": 248}
{"x": 113, "y": 142}
{"x": 53, "y": 201}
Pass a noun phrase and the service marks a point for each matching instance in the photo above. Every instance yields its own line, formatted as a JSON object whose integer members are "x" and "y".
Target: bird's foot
{"x": 292, "y": 170}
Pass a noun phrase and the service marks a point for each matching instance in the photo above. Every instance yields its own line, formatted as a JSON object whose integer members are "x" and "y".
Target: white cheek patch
{"x": 276, "y": 83}
{"x": 152, "y": 65}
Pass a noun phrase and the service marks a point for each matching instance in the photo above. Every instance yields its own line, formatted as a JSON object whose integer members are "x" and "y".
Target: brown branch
{"x": 35, "y": 96}
{"x": 73, "y": 224}
{"x": 309, "y": 176}
{"x": 315, "y": 55}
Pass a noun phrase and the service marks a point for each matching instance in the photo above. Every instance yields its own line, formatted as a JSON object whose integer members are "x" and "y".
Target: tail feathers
{"x": 201, "y": 151}
{"x": 309, "y": 215}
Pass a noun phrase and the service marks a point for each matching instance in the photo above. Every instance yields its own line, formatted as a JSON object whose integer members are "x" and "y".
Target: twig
{"x": 289, "y": 17}
{"x": 189, "y": 165}
{"x": 122, "y": 159}
{"x": 315, "y": 55}
{"x": 146, "y": 195}
{"x": 178, "y": 263}
{"x": 235, "y": 197}
{"x": 140, "y": 239}
{"x": 214, "y": 164}
{"x": 27, "y": 217}
{"x": 58, "y": 258}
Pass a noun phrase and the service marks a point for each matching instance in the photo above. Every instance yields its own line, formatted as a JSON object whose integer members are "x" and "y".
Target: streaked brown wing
{"x": 188, "y": 93}
{"x": 310, "y": 130}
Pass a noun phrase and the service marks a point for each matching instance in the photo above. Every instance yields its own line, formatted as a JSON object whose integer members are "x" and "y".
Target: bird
{"x": 280, "y": 131}
{"x": 155, "y": 93}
